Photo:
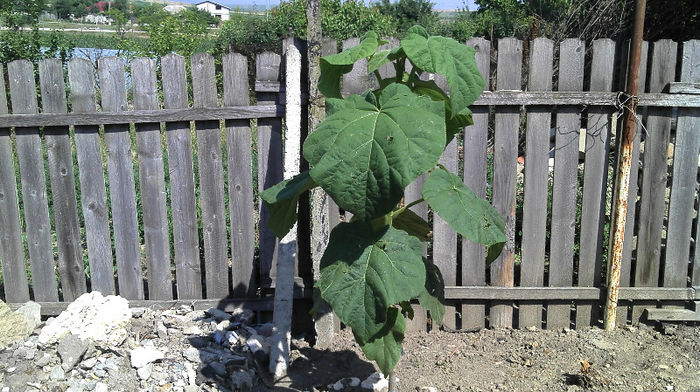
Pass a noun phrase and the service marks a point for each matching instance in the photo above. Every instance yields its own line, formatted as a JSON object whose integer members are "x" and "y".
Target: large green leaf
{"x": 432, "y": 298}
{"x": 386, "y": 348}
{"x": 412, "y": 224}
{"x": 447, "y": 57}
{"x": 282, "y": 199}
{"x": 454, "y": 122}
{"x": 365, "y": 155}
{"x": 363, "y": 272}
{"x": 334, "y": 66}
{"x": 469, "y": 215}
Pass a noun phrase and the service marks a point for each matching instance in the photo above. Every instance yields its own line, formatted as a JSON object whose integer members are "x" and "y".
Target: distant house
{"x": 174, "y": 8}
{"x": 218, "y": 10}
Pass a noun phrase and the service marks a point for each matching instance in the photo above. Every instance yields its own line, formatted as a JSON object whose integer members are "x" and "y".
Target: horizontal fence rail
{"x": 151, "y": 191}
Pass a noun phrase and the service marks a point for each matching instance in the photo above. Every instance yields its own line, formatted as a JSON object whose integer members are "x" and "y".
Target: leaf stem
{"x": 409, "y": 205}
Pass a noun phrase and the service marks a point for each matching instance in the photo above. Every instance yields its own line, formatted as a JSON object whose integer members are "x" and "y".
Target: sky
{"x": 439, "y": 4}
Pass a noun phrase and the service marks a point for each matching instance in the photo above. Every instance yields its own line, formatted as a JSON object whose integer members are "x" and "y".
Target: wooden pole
{"x": 623, "y": 176}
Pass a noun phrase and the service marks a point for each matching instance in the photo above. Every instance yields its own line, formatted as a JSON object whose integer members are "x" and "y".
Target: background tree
{"x": 408, "y": 13}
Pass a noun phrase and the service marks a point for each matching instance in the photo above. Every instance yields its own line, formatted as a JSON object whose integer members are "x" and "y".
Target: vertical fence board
{"x": 330, "y": 46}
{"x": 505, "y": 158}
{"x": 536, "y": 187}
{"x": 121, "y": 180}
{"x": 34, "y": 200}
{"x": 240, "y": 177}
{"x": 653, "y": 200}
{"x": 211, "y": 179}
{"x": 267, "y": 68}
{"x": 152, "y": 182}
{"x": 568, "y": 119}
{"x": 11, "y": 250}
{"x": 626, "y": 267}
{"x": 93, "y": 195}
{"x": 595, "y": 181}
{"x": 65, "y": 208}
{"x": 685, "y": 174}
{"x": 475, "y": 147}
{"x": 182, "y": 188}
{"x": 357, "y": 80}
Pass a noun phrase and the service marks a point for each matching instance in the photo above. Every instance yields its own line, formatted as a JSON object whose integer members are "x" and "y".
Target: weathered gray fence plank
{"x": 65, "y": 208}
{"x": 152, "y": 183}
{"x": 211, "y": 179}
{"x": 568, "y": 124}
{"x": 536, "y": 181}
{"x": 357, "y": 80}
{"x": 505, "y": 156}
{"x": 182, "y": 197}
{"x": 653, "y": 205}
{"x": 684, "y": 182}
{"x": 595, "y": 181}
{"x": 240, "y": 177}
{"x": 11, "y": 250}
{"x": 93, "y": 195}
{"x": 267, "y": 67}
{"x": 626, "y": 267}
{"x": 475, "y": 148}
{"x": 34, "y": 200}
{"x": 121, "y": 180}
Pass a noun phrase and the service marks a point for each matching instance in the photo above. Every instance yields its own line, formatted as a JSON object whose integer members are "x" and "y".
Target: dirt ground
{"x": 640, "y": 358}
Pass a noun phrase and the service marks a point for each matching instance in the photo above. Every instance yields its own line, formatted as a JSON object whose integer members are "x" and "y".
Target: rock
{"x": 57, "y": 373}
{"x": 218, "y": 368}
{"x": 354, "y": 382}
{"x": 232, "y": 338}
{"x": 266, "y": 329}
{"x": 89, "y": 363}
{"x": 32, "y": 313}
{"x": 241, "y": 380}
{"x": 145, "y": 372}
{"x": 102, "y": 320}
{"x": 43, "y": 360}
{"x": 242, "y": 316}
{"x": 137, "y": 312}
{"x": 71, "y": 349}
{"x": 338, "y": 386}
{"x": 142, "y": 356}
{"x": 376, "y": 382}
{"x": 101, "y": 387}
{"x": 428, "y": 389}
{"x": 191, "y": 354}
{"x": 191, "y": 373}
{"x": 13, "y": 326}
{"x": 218, "y": 314}
{"x": 192, "y": 330}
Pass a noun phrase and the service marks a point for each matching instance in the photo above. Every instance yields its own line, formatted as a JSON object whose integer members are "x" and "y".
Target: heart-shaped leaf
{"x": 469, "y": 215}
{"x": 282, "y": 200}
{"x": 412, "y": 224}
{"x": 334, "y": 66}
{"x": 363, "y": 272}
{"x": 386, "y": 348}
{"x": 433, "y": 297}
{"x": 447, "y": 57}
{"x": 365, "y": 155}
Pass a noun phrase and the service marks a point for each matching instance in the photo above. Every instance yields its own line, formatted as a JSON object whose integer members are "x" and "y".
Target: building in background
{"x": 218, "y": 10}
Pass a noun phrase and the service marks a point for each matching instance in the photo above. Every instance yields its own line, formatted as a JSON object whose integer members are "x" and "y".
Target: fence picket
{"x": 684, "y": 185}
{"x": 328, "y": 47}
{"x": 93, "y": 195}
{"x": 267, "y": 68}
{"x": 240, "y": 177}
{"x": 595, "y": 181}
{"x": 357, "y": 80}
{"x": 65, "y": 208}
{"x": 654, "y": 176}
{"x": 505, "y": 156}
{"x": 536, "y": 187}
{"x": 182, "y": 188}
{"x": 568, "y": 124}
{"x": 34, "y": 200}
{"x": 211, "y": 179}
{"x": 121, "y": 180}
{"x": 152, "y": 182}
{"x": 11, "y": 249}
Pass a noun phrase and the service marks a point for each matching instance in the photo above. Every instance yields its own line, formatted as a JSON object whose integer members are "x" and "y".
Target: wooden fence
{"x": 159, "y": 200}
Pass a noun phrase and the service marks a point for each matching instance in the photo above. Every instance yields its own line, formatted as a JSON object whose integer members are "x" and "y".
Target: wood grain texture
{"x": 240, "y": 178}
{"x": 684, "y": 182}
{"x": 122, "y": 189}
{"x": 568, "y": 124}
{"x": 654, "y": 176}
{"x": 64, "y": 204}
{"x": 267, "y": 67}
{"x": 536, "y": 187}
{"x": 505, "y": 155}
{"x": 93, "y": 195}
{"x": 182, "y": 188}
{"x": 211, "y": 179}
{"x": 11, "y": 248}
{"x": 34, "y": 200}
{"x": 152, "y": 182}
{"x": 567, "y": 293}
{"x": 595, "y": 181}
{"x": 412, "y": 193}
{"x": 475, "y": 148}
